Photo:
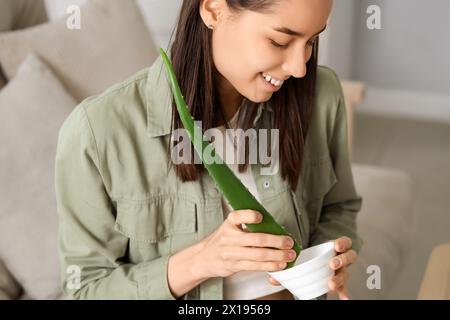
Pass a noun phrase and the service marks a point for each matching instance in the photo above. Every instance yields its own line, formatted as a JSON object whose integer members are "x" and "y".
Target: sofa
{"x": 48, "y": 70}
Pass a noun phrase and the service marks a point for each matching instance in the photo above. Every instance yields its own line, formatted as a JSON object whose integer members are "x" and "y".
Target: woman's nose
{"x": 295, "y": 64}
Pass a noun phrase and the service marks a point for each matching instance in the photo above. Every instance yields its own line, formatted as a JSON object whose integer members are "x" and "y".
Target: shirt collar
{"x": 159, "y": 102}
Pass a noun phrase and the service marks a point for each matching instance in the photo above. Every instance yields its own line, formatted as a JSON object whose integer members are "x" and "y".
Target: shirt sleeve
{"x": 341, "y": 204}
{"x": 92, "y": 252}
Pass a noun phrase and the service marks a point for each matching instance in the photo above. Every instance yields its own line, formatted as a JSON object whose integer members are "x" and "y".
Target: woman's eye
{"x": 310, "y": 43}
{"x": 277, "y": 45}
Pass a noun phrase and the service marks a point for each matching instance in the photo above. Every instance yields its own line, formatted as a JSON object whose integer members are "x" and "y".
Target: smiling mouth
{"x": 272, "y": 80}
{"x": 272, "y": 83}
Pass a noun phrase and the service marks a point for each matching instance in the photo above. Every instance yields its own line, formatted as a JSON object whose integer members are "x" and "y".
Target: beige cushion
{"x": 19, "y": 14}
{"x": 33, "y": 106}
{"x": 9, "y": 288}
{"x": 113, "y": 44}
{"x": 384, "y": 224}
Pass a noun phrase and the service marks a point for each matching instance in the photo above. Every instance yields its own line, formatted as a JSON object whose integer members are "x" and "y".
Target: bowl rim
{"x": 326, "y": 254}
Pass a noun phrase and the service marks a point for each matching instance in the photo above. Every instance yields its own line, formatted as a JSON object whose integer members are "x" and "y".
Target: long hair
{"x": 191, "y": 54}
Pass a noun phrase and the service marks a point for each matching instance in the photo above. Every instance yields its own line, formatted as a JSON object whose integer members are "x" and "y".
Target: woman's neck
{"x": 230, "y": 99}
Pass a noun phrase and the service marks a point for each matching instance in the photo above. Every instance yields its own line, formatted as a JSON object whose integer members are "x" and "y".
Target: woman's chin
{"x": 260, "y": 98}
{"x": 256, "y": 95}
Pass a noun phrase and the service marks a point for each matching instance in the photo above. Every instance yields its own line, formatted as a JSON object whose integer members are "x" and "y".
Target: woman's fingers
{"x": 236, "y": 218}
{"x": 342, "y": 244}
{"x": 238, "y": 238}
{"x": 257, "y": 266}
{"x": 258, "y": 254}
{"x": 342, "y": 293}
{"x": 261, "y": 240}
{"x": 274, "y": 282}
{"x": 339, "y": 280}
{"x": 343, "y": 260}
{"x": 339, "y": 284}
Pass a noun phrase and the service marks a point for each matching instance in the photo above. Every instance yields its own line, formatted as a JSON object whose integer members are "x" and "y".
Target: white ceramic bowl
{"x": 308, "y": 279}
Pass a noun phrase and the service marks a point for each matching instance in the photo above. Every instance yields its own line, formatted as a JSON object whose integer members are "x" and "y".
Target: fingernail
{"x": 292, "y": 255}
{"x": 291, "y": 242}
{"x": 336, "y": 263}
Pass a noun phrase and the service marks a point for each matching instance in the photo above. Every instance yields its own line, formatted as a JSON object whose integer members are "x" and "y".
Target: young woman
{"x": 134, "y": 225}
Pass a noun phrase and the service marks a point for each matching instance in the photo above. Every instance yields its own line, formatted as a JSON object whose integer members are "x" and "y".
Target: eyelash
{"x": 277, "y": 45}
{"x": 280, "y": 46}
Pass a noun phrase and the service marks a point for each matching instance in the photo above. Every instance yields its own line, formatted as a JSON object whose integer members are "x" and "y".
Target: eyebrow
{"x": 295, "y": 33}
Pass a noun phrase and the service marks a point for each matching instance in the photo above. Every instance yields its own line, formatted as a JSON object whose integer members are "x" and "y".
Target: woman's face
{"x": 251, "y": 48}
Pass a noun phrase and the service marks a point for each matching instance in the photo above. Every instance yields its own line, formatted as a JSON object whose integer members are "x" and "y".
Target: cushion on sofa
{"x": 9, "y": 288}
{"x": 112, "y": 44}
{"x": 33, "y": 106}
{"x": 19, "y": 14}
{"x": 384, "y": 224}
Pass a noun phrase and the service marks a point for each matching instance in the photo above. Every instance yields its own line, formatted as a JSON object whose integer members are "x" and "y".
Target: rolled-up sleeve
{"x": 342, "y": 203}
{"x": 88, "y": 241}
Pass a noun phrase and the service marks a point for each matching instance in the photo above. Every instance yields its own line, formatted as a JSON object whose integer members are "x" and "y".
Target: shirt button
{"x": 266, "y": 184}
{"x": 216, "y": 191}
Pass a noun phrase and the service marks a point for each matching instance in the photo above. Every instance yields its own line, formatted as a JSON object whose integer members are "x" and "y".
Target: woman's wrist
{"x": 197, "y": 266}
{"x": 184, "y": 271}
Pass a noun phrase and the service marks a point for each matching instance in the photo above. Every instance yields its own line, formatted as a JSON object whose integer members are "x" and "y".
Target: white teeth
{"x": 273, "y": 81}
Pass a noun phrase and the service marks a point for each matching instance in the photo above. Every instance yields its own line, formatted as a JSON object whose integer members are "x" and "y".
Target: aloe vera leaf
{"x": 237, "y": 194}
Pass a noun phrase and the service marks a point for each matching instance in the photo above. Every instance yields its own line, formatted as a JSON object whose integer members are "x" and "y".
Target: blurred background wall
{"x": 412, "y": 49}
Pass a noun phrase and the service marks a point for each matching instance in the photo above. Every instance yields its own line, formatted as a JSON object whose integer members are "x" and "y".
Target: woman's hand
{"x": 231, "y": 249}
{"x": 346, "y": 256}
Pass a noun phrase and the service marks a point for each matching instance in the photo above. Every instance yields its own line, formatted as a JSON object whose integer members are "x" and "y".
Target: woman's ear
{"x": 211, "y": 12}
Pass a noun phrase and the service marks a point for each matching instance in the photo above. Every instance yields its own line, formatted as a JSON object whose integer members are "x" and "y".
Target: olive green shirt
{"x": 122, "y": 213}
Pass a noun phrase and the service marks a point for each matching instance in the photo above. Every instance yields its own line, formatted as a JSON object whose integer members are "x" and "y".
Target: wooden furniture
{"x": 354, "y": 93}
{"x": 436, "y": 281}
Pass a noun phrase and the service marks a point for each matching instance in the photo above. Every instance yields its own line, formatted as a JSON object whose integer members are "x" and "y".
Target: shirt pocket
{"x": 158, "y": 226}
{"x": 319, "y": 178}
{"x": 302, "y": 219}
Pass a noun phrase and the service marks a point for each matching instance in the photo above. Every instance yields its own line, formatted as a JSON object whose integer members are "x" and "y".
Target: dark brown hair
{"x": 191, "y": 55}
